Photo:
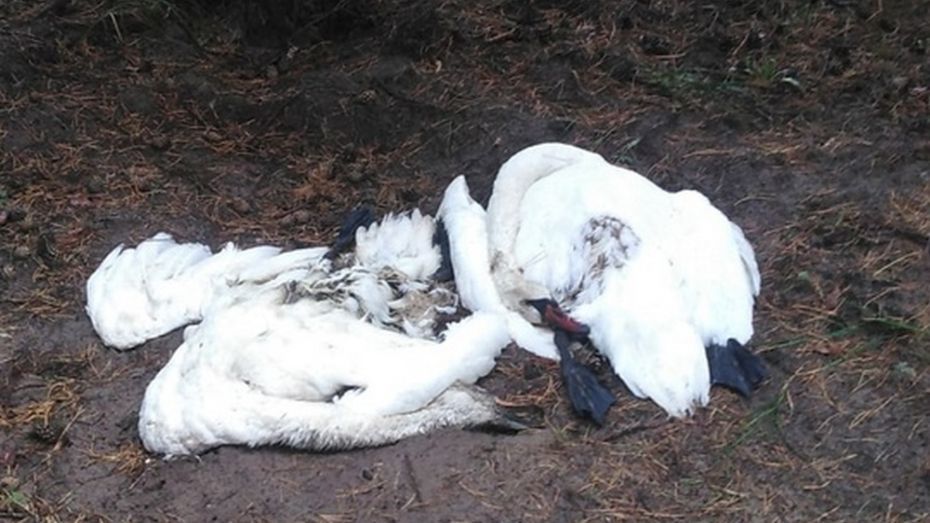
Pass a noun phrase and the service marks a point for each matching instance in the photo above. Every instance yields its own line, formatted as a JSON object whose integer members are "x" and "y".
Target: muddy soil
{"x": 807, "y": 122}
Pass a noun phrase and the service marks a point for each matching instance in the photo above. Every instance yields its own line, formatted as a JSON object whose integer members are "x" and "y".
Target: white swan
{"x": 288, "y": 350}
{"x": 657, "y": 276}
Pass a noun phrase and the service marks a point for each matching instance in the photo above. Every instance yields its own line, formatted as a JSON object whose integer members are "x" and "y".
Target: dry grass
{"x": 129, "y": 459}
{"x": 60, "y": 396}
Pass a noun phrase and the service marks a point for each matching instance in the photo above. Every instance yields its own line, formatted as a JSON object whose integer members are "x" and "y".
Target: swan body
{"x": 657, "y": 276}
{"x": 293, "y": 350}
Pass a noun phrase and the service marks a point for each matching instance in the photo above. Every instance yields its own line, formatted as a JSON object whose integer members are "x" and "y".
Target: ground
{"x": 807, "y": 122}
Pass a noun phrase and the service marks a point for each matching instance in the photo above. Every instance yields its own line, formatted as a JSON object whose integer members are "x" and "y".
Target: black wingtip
{"x": 441, "y": 238}
{"x": 588, "y": 397}
{"x": 356, "y": 219}
{"x": 734, "y": 367}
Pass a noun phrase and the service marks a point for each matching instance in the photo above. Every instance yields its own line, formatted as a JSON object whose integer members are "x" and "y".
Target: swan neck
{"x": 513, "y": 181}
{"x": 511, "y": 185}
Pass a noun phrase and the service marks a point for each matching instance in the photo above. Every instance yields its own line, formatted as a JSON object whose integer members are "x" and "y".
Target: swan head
{"x": 518, "y": 294}
{"x": 552, "y": 315}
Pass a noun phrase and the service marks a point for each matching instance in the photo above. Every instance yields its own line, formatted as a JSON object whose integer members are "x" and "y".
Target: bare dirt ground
{"x": 807, "y": 122}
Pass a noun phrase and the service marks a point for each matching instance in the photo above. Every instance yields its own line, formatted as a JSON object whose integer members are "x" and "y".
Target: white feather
{"x": 402, "y": 242}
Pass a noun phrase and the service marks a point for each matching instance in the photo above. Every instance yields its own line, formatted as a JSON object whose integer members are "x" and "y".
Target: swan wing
{"x": 128, "y": 295}
{"x": 140, "y": 293}
{"x": 640, "y": 323}
{"x": 719, "y": 275}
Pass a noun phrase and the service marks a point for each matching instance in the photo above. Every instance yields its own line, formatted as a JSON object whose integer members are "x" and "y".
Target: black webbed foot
{"x": 588, "y": 397}
{"x": 734, "y": 367}
{"x": 357, "y": 218}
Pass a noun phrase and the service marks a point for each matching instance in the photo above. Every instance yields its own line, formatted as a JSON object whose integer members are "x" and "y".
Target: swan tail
{"x": 665, "y": 362}
{"x": 733, "y": 366}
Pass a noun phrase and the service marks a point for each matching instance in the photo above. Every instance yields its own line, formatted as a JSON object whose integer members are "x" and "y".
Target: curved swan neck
{"x": 513, "y": 181}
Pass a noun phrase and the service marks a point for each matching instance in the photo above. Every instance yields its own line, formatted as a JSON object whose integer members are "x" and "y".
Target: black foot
{"x": 441, "y": 238}
{"x": 589, "y": 398}
{"x": 735, "y": 368}
{"x": 358, "y": 217}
